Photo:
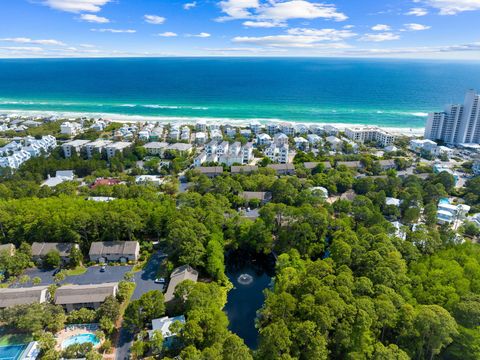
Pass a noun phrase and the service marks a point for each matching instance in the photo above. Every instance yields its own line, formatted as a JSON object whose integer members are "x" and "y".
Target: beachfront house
{"x": 74, "y": 297}
{"x": 118, "y": 251}
{"x": 182, "y": 273}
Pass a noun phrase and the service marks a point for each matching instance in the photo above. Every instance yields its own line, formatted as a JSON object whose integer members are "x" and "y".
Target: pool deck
{"x": 67, "y": 333}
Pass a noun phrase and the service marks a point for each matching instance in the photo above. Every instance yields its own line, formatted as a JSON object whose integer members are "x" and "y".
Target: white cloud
{"x": 452, "y": 7}
{"x": 301, "y": 38}
{"x": 167, "y": 34}
{"x": 115, "y": 31}
{"x": 154, "y": 19}
{"x": 189, "y": 6}
{"x": 381, "y": 27}
{"x": 263, "y": 24}
{"x": 22, "y": 48}
{"x": 76, "y": 6}
{"x": 349, "y": 26}
{"x": 94, "y": 18}
{"x": 200, "y": 35}
{"x": 279, "y": 11}
{"x": 416, "y": 27}
{"x": 417, "y": 12}
{"x": 22, "y": 40}
{"x": 238, "y": 9}
{"x": 379, "y": 37}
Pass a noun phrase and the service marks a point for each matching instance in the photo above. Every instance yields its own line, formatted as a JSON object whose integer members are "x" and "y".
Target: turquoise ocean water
{"x": 391, "y": 93}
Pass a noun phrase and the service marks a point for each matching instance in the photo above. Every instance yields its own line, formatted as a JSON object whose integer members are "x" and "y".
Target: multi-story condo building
{"x": 117, "y": 147}
{"x": 74, "y": 146}
{"x": 458, "y": 124}
{"x": 371, "y": 133}
{"x": 255, "y": 126}
{"x": 278, "y": 154}
{"x": 96, "y": 147}
{"x": 280, "y": 139}
{"x": 211, "y": 148}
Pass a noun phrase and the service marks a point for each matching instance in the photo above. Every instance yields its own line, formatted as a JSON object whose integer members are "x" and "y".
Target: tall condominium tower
{"x": 458, "y": 124}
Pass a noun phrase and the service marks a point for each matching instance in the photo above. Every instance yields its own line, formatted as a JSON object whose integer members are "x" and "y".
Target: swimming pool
{"x": 80, "y": 339}
{"x": 444, "y": 201}
{"x": 11, "y": 352}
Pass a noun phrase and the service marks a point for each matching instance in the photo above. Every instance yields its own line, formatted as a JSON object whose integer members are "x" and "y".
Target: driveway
{"x": 125, "y": 341}
{"x": 91, "y": 276}
{"x": 145, "y": 279}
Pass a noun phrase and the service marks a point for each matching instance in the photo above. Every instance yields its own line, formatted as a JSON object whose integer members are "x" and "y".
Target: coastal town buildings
{"x": 370, "y": 133}
{"x": 458, "y": 123}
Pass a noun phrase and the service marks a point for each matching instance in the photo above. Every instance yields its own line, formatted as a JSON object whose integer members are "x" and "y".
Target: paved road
{"x": 91, "y": 276}
{"x": 125, "y": 342}
{"x": 145, "y": 279}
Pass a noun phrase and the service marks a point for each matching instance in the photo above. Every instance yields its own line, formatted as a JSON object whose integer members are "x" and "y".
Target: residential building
{"x": 389, "y": 201}
{"x": 200, "y": 138}
{"x": 117, "y": 148}
{"x": 301, "y": 129}
{"x": 400, "y": 230}
{"x": 174, "y": 134}
{"x": 247, "y": 153}
{"x": 210, "y": 171}
{"x": 156, "y": 134}
{"x": 457, "y": 124}
{"x": 185, "y": 134}
{"x": 201, "y": 125}
{"x": 154, "y": 180}
{"x": 211, "y": 148}
{"x": 427, "y": 146}
{"x": 61, "y": 176}
{"x": 301, "y": 143}
{"x": 9, "y": 248}
{"x": 246, "y": 133}
{"x": 74, "y": 297}
{"x": 390, "y": 148}
{"x": 245, "y": 169}
{"x": 118, "y": 251}
{"x": 256, "y": 127}
{"x": 263, "y": 139}
{"x": 448, "y": 213}
{"x": 387, "y": 164}
{"x": 261, "y": 196}
{"x": 313, "y": 165}
{"x": 476, "y": 167}
{"x": 280, "y": 139}
{"x": 216, "y": 135}
{"x": 181, "y": 148}
{"x": 222, "y": 148}
{"x": 96, "y": 147}
{"x": 40, "y": 250}
{"x": 182, "y": 273}
{"x": 335, "y": 143}
{"x": 370, "y": 133}
{"x": 156, "y": 148}
{"x": 288, "y": 129}
{"x": 331, "y": 130}
{"x": 23, "y": 296}
{"x": 70, "y": 128}
{"x": 163, "y": 325}
{"x": 73, "y": 147}
{"x": 200, "y": 159}
{"x": 283, "y": 169}
{"x": 272, "y": 128}
{"x": 350, "y": 164}
{"x": 314, "y": 139}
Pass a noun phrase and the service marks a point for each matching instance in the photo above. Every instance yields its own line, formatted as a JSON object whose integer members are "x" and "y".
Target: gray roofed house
{"x": 263, "y": 196}
{"x": 313, "y": 165}
{"x": 9, "y": 248}
{"x": 350, "y": 164}
{"x": 155, "y": 148}
{"x": 246, "y": 169}
{"x": 185, "y": 272}
{"x": 387, "y": 164}
{"x": 210, "y": 171}
{"x": 123, "y": 251}
{"x": 40, "y": 250}
{"x": 23, "y": 296}
{"x": 181, "y": 148}
{"x": 73, "y": 297}
{"x": 283, "y": 169}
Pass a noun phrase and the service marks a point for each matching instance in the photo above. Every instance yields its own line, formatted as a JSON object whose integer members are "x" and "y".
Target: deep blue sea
{"x": 395, "y": 93}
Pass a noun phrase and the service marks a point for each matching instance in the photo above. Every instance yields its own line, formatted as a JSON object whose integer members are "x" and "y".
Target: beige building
{"x": 23, "y": 296}
{"x": 73, "y": 297}
{"x": 182, "y": 273}
{"x": 9, "y": 248}
{"x": 122, "y": 251}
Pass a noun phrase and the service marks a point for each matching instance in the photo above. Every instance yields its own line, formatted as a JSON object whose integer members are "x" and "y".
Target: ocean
{"x": 388, "y": 93}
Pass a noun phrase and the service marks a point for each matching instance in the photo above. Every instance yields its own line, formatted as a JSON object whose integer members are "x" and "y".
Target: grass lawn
{"x": 15, "y": 339}
{"x": 79, "y": 270}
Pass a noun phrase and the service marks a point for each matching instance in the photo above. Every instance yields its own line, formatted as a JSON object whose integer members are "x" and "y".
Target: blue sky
{"x": 443, "y": 29}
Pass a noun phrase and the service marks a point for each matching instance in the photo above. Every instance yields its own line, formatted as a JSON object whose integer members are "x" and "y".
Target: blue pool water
{"x": 444, "y": 201}
{"x": 11, "y": 352}
{"x": 80, "y": 339}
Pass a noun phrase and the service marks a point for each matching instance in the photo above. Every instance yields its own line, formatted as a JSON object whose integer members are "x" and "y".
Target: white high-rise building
{"x": 458, "y": 124}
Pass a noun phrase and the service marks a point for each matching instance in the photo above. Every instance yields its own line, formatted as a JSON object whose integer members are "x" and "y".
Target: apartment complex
{"x": 458, "y": 124}
{"x": 371, "y": 133}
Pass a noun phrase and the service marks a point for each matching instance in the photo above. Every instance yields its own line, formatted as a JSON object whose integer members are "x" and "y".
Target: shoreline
{"x": 121, "y": 118}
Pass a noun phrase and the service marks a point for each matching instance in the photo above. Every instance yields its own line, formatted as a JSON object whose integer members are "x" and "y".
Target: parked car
{"x": 160, "y": 281}
{"x": 55, "y": 272}
{"x": 103, "y": 268}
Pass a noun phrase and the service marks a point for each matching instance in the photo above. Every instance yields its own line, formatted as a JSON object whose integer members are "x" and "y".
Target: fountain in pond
{"x": 245, "y": 279}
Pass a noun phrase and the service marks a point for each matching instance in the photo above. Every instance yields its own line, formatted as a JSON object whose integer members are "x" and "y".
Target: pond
{"x": 250, "y": 275}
